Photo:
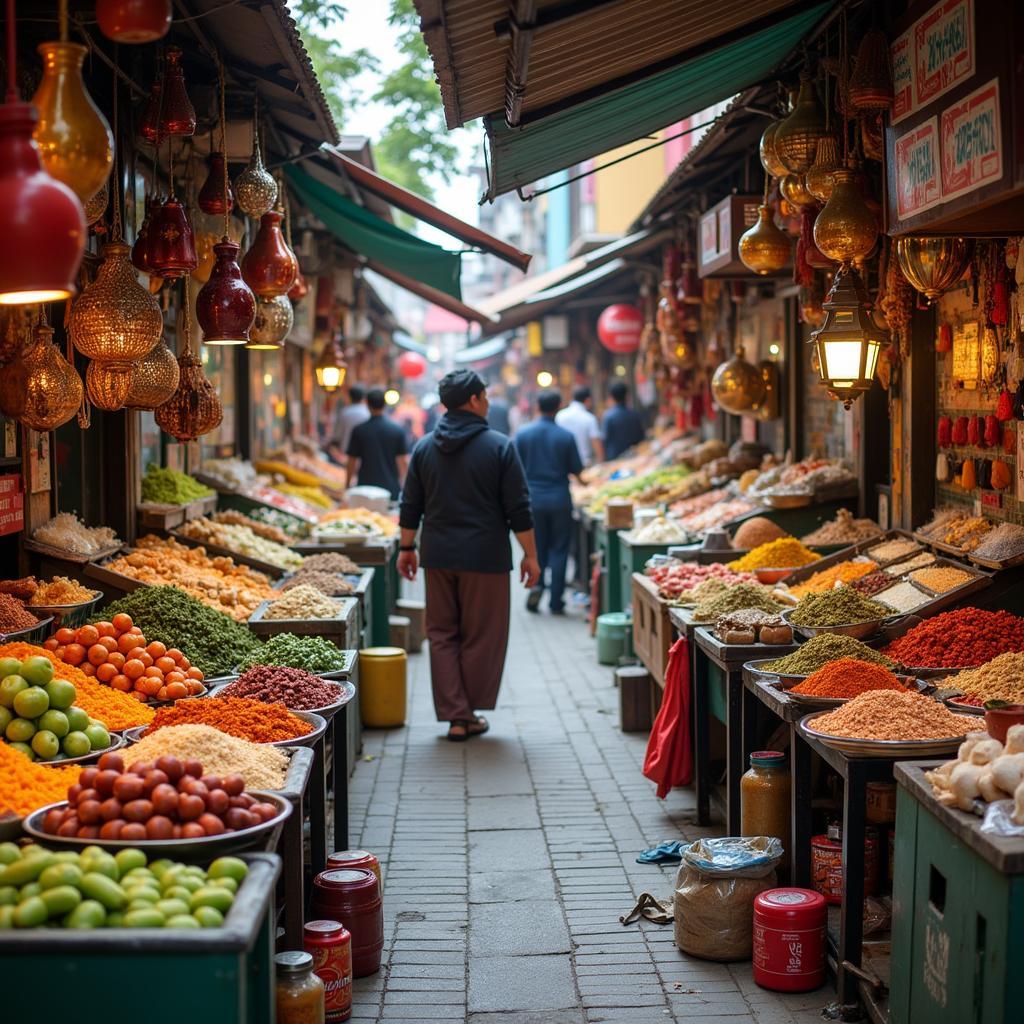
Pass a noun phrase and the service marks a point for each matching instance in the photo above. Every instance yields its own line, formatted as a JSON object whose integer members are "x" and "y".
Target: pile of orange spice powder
{"x": 847, "y": 677}
{"x": 243, "y": 717}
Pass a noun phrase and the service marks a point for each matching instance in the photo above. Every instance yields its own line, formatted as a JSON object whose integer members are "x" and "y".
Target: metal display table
{"x": 290, "y": 845}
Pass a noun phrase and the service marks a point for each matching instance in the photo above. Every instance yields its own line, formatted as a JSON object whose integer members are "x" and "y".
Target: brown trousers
{"x": 467, "y": 625}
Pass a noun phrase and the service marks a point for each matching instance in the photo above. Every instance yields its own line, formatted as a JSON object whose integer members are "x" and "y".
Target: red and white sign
{"x": 12, "y": 504}
{"x": 916, "y": 167}
{"x": 971, "y": 143}
{"x": 708, "y": 237}
{"x": 619, "y": 327}
{"x": 902, "y": 51}
{"x": 943, "y": 49}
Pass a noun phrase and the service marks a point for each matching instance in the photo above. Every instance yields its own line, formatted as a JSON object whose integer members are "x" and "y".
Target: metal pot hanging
{"x": 933, "y": 265}
{"x": 737, "y": 385}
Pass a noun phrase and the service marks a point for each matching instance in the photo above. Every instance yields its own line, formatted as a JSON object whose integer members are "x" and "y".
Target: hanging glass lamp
{"x": 225, "y": 305}
{"x": 273, "y": 324}
{"x": 331, "y": 367}
{"x": 269, "y": 266}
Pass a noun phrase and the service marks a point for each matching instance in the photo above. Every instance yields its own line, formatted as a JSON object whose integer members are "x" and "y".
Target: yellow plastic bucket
{"x": 382, "y": 687}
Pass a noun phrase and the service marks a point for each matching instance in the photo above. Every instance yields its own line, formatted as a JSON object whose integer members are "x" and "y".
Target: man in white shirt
{"x": 577, "y": 418}
{"x": 347, "y": 419}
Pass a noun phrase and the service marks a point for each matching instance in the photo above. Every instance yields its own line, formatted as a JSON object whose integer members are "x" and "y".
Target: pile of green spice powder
{"x": 169, "y": 487}
{"x": 211, "y": 640}
{"x": 825, "y": 647}
{"x": 312, "y": 653}
{"x": 734, "y": 599}
{"x": 839, "y": 606}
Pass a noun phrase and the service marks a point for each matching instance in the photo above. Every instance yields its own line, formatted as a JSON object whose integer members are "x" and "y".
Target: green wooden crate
{"x": 718, "y": 697}
{"x": 210, "y": 976}
{"x": 958, "y": 920}
{"x": 609, "y": 544}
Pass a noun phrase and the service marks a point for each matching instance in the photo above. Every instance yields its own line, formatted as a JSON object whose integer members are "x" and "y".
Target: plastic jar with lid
{"x": 299, "y": 993}
{"x": 764, "y": 793}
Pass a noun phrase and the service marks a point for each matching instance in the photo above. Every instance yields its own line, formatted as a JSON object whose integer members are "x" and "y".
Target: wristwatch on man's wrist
{"x": 407, "y": 547}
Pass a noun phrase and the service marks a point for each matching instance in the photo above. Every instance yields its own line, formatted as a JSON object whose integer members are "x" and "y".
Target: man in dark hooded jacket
{"x": 466, "y": 486}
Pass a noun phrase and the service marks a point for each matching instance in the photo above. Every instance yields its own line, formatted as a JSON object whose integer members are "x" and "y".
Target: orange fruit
{"x": 184, "y": 664}
{"x": 105, "y": 628}
{"x": 150, "y": 687}
{"x": 165, "y": 664}
{"x": 97, "y": 654}
{"x": 74, "y": 654}
{"x": 65, "y": 635}
{"x": 121, "y": 682}
{"x": 194, "y": 686}
{"x": 105, "y": 673}
{"x": 173, "y": 652}
{"x": 144, "y": 656}
{"x": 175, "y": 676}
{"x": 175, "y": 691}
{"x": 117, "y": 659}
{"x": 156, "y": 649}
{"x": 122, "y": 622}
{"x": 109, "y": 642}
{"x": 134, "y": 669}
{"x": 194, "y": 673}
{"x": 139, "y": 696}
{"x": 88, "y": 668}
{"x": 87, "y": 635}
{"x": 52, "y": 644}
{"x": 154, "y": 673}
{"x": 136, "y": 631}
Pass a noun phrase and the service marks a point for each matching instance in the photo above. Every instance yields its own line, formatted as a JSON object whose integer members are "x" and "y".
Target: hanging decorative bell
{"x": 765, "y": 248}
{"x": 255, "y": 187}
{"x": 170, "y": 244}
{"x": 134, "y": 21}
{"x": 818, "y": 179}
{"x": 796, "y": 138}
{"x": 51, "y": 396}
{"x": 73, "y": 138}
{"x": 273, "y": 324}
{"x": 846, "y": 229}
{"x": 211, "y": 195}
{"x": 269, "y": 266}
{"x": 177, "y": 115}
{"x": 225, "y": 305}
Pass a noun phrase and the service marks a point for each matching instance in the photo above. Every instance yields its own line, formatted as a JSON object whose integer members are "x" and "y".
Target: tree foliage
{"x": 413, "y": 147}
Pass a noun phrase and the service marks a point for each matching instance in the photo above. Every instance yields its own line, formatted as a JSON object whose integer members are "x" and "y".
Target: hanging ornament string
{"x": 62, "y": 20}
{"x": 117, "y": 225}
{"x": 223, "y": 145}
{"x": 186, "y": 316}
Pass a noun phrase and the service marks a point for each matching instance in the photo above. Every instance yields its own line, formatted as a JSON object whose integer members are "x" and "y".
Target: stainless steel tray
{"x": 853, "y": 747}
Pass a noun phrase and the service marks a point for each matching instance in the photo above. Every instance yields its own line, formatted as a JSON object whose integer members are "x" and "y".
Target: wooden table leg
{"x": 800, "y": 796}
{"x": 851, "y": 925}
{"x": 318, "y": 809}
{"x": 292, "y": 876}
{"x": 701, "y": 736}
{"x": 733, "y": 750}
{"x": 339, "y": 783}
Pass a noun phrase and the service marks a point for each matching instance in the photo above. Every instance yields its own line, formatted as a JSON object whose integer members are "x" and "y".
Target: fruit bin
{"x": 208, "y": 976}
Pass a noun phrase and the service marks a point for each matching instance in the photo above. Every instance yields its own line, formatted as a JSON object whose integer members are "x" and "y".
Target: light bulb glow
{"x": 392, "y": 397}
{"x": 544, "y": 379}
{"x": 30, "y": 298}
{"x": 268, "y": 379}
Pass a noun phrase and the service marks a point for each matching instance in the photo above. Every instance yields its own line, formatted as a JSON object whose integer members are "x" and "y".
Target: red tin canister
{"x": 827, "y": 863}
{"x": 330, "y": 945}
{"x": 352, "y": 896}
{"x": 356, "y": 859}
{"x": 789, "y": 940}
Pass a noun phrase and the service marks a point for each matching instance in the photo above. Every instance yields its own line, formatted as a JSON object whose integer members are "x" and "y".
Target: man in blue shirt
{"x": 549, "y": 456}
{"x": 623, "y": 427}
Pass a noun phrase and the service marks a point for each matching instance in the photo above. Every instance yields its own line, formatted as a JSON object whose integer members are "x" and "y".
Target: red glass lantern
{"x": 411, "y": 365}
{"x": 300, "y": 289}
{"x": 225, "y": 307}
{"x": 178, "y": 116}
{"x": 45, "y": 231}
{"x": 619, "y": 328}
{"x": 134, "y": 21}
{"x": 140, "y": 250}
{"x": 211, "y": 195}
{"x": 269, "y": 266}
{"x": 149, "y": 123}
{"x": 170, "y": 244}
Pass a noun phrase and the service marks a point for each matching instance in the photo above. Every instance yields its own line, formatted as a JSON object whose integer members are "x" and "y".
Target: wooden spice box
{"x": 652, "y": 627}
{"x": 343, "y": 630}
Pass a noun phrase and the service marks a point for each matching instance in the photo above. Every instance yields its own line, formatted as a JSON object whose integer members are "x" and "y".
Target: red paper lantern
{"x": 134, "y": 21}
{"x": 619, "y": 327}
{"x": 412, "y": 365}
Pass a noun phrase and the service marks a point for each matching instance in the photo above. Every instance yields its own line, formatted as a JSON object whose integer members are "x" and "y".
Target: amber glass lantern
{"x": 849, "y": 342}
{"x": 331, "y": 367}
{"x": 154, "y": 379}
{"x": 53, "y": 390}
{"x": 108, "y": 384}
{"x": 273, "y": 323}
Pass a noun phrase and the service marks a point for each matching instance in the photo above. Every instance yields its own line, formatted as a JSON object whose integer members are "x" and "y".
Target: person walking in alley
{"x": 377, "y": 450}
{"x": 623, "y": 427}
{"x": 577, "y": 418}
{"x": 346, "y": 420}
{"x": 549, "y": 456}
{"x": 466, "y": 486}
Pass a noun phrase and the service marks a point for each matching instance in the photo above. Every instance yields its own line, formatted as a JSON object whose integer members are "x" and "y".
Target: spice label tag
{"x": 971, "y": 145}
{"x": 916, "y": 168}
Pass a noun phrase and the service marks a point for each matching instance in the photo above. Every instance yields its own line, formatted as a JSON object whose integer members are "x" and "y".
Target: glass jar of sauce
{"x": 299, "y": 994}
{"x": 764, "y": 798}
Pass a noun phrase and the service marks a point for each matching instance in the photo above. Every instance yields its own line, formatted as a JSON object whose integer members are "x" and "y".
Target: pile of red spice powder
{"x": 14, "y": 615}
{"x": 958, "y": 639}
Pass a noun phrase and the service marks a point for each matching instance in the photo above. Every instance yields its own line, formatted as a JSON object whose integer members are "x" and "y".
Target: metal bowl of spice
{"x": 28, "y": 634}
{"x": 774, "y": 575}
{"x": 317, "y": 722}
{"x": 858, "y": 630}
{"x": 841, "y": 610}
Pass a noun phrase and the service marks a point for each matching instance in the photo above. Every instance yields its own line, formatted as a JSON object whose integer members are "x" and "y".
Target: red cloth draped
{"x": 669, "y": 759}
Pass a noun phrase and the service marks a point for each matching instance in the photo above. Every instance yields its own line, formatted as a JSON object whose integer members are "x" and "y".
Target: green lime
{"x": 30, "y": 913}
{"x": 45, "y": 744}
{"x": 9, "y": 896}
{"x": 60, "y": 874}
{"x": 61, "y": 693}
{"x": 78, "y": 720}
{"x": 177, "y": 892}
{"x": 61, "y": 899}
{"x": 76, "y": 744}
{"x": 130, "y": 861}
{"x": 7, "y": 918}
{"x": 185, "y": 921}
{"x": 171, "y": 908}
{"x": 228, "y": 867}
{"x": 20, "y": 730}
{"x": 55, "y": 722}
{"x": 225, "y": 883}
{"x": 88, "y": 914}
{"x": 9, "y": 853}
{"x": 9, "y": 667}
{"x": 158, "y": 867}
{"x": 212, "y": 896}
{"x": 24, "y": 748}
{"x": 31, "y": 702}
{"x": 98, "y": 736}
{"x": 146, "y": 917}
{"x": 208, "y": 917}
{"x": 10, "y": 687}
{"x": 5, "y": 718}
{"x": 38, "y": 670}
{"x": 29, "y": 889}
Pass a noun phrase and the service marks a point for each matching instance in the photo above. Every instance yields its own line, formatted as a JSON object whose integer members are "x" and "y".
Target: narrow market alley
{"x": 509, "y": 859}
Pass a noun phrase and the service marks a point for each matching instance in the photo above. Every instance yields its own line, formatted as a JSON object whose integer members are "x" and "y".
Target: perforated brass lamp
{"x": 848, "y": 343}
{"x": 331, "y": 366}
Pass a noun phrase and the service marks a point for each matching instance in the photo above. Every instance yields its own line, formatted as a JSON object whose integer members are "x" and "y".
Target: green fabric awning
{"x": 369, "y": 235}
{"x": 523, "y": 155}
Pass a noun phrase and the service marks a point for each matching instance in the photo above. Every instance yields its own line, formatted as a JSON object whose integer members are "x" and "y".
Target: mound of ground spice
{"x": 1001, "y": 679}
{"x": 881, "y": 715}
{"x": 847, "y": 677}
{"x": 292, "y": 687}
{"x": 825, "y": 647}
{"x": 826, "y": 579}
{"x": 26, "y": 785}
{"x": 960, "y": 638}
{"x": 14, "y": 615}
{"x": 837, "y": 607}
{"x": 237, "y": 716}
{"x": 783, "y": 553}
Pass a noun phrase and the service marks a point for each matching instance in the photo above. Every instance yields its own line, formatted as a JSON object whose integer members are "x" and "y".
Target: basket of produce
{"x": 28, "y": 634}
{"x": 241, "y": 717}
{"x": 66, "y": 601}
{"x": 168, "y": 808}
{"x": 841, "y": 610}
{"x": 881, "y": 723}
{"x": 295, "y": 688}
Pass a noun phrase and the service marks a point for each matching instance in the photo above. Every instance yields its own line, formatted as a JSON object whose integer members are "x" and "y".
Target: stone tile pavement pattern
{"x": 509, "y": 859}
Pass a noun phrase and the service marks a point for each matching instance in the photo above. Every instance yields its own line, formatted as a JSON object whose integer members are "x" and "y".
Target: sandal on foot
{"x": 458, "y": 732}
{"x": 478, "y": 726}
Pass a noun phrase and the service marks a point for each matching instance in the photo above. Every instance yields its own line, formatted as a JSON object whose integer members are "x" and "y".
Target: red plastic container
{"x": 789, "y": 940}
{"x": 330, "y": 945}
{"x": 352, "y": 896}
{"x": 355, "y": 859}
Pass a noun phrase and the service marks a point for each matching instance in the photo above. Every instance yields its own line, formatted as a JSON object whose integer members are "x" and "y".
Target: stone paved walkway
{"x": 508, "y": 860}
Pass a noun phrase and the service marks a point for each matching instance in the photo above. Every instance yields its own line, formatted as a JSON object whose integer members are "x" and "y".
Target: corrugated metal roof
{"x": 585, "y": 48}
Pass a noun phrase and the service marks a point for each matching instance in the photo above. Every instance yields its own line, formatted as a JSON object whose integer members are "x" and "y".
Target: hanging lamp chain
{"x": 186, "y": 315}
{"x": 117, "y": 226}
{"x": 62, "y": 20}
{"x": 223, "y": 144}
